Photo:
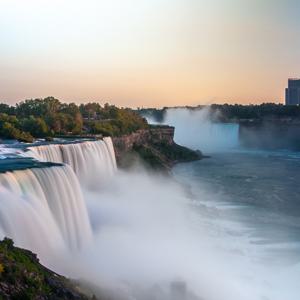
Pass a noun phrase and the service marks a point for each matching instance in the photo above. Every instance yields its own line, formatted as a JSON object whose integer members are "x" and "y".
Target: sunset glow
{"x": 149, "y": 52}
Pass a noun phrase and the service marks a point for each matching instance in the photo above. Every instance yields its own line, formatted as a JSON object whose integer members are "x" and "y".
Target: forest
{"x": 48, "y": 118}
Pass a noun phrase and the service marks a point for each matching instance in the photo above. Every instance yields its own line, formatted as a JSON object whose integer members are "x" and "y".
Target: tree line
{"x": 48, "y": 117}
{"x": 257, "y": 112}
{"x": 232, "y": 112}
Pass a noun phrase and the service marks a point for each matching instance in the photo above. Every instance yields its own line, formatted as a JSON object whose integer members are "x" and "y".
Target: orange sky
{"x": 149, "y": 52}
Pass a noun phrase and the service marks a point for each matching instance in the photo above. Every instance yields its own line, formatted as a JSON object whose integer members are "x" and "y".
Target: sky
{"x": 149, "y": 53}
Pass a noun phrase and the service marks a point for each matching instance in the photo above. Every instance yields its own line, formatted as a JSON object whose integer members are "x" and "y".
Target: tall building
{"x": 292, "y": 93}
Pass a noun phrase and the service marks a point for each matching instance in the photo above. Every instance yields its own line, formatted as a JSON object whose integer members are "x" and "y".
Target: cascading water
{"x": 92, "y": 161}
{"x": 43, "y": 209}
{"x": 194, "y": 129}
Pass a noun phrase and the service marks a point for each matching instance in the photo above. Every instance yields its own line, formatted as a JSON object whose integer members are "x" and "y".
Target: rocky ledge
{"x": 155, "y": 146}
{"x": 23, "y": 277}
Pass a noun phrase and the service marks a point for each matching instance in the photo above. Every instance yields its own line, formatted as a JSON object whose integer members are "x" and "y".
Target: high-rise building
{"x": 292, "y": 93}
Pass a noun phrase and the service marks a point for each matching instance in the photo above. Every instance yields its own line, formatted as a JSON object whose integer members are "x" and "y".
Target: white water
{"x": 93, "y": 162}
{"x": 144, "y": 234}
{"x": 44, "y": 209}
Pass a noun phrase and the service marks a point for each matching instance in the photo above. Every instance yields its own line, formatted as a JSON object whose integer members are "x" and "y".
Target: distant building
{"x": 292, "y": 93}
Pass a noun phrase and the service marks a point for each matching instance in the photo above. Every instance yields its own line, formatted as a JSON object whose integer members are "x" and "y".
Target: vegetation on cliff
{"x": 110, "y": 120}
{"x": 41, "y": 118}
{"x": 22, "y": 277}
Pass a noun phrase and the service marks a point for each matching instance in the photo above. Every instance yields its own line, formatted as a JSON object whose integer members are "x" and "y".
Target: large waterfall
{"x": 43, "y": 208}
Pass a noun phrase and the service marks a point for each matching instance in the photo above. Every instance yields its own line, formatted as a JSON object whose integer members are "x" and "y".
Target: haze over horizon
{"x": 149, "y": 52}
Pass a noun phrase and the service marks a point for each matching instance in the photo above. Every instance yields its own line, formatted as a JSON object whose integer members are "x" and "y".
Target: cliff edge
{"x": 154, "y": 146}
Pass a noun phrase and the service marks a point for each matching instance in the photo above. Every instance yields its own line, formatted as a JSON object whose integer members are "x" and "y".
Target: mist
{"x": 195, "y": 129}
{"x": 154, "y": 239}
{"x": 145, "y": 241}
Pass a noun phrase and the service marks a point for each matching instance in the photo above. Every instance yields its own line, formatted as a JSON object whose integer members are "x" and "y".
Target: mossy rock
{"x": 22, "y": 277}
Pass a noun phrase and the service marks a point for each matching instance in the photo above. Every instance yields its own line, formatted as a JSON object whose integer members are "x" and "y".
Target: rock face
{"x": 23, "y": 277}
{"x": 157, "y": 134}
{"x": 155, "y": 146}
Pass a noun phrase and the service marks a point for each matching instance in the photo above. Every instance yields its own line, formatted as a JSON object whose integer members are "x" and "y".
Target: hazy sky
{"x": 149, "y": 52}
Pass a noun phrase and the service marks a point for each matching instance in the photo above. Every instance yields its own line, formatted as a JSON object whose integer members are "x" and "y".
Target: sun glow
{"x": 150, "y": 53}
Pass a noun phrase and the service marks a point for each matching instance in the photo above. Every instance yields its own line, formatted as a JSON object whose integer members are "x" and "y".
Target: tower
{"x": 292, "y": 93}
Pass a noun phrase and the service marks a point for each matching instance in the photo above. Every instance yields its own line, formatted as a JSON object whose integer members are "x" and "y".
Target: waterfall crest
{"x": 92, "y": 161}
{"x": 41, "y": 208}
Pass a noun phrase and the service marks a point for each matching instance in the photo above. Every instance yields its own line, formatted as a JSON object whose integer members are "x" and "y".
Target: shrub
{"x": 1, "y": 269}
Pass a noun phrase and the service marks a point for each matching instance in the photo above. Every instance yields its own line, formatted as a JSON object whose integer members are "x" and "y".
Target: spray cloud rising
{"x": 138, "y": 236}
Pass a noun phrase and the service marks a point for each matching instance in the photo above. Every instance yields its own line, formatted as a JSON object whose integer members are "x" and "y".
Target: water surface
{"x": 258, "y": 190}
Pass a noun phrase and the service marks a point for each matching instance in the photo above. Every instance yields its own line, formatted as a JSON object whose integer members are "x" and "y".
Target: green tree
{"x": 35, "y": 126}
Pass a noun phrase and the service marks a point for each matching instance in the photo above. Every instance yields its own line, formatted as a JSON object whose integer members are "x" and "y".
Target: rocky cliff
{"x": 155, "y": 146}
{"x": 23, "y": 277}
{"x": 159, "y": 134}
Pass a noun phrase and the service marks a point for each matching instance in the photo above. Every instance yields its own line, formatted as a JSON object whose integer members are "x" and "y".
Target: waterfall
{"x": 194, "y": 129}
{"x": 43, "y": 208}
{"x": 92, "y": 161}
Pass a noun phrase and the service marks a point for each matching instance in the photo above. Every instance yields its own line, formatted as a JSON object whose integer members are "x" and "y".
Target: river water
{"x": 248, "y": 199}
{"x": 260, "y": 189}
